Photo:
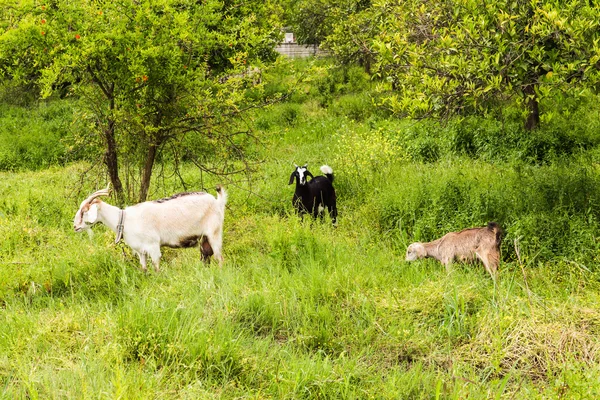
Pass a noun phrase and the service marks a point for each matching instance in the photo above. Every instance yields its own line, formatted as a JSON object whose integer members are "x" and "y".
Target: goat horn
{"x": 103, "y": 192}
{"x": 295, "y": 165}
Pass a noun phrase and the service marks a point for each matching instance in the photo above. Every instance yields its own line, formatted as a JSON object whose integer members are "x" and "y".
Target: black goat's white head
{"x": 300, "y": 173}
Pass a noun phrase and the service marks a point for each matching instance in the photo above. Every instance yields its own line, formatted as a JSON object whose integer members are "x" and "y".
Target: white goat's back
{"x": 183, "y": 220}
{"x": 176, "y": 220}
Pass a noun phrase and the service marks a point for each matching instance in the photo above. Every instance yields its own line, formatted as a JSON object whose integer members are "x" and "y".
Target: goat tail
{"x": 494, "y": 227}
{"x": 327, "y": 171}
{"x": 221, "y": 195}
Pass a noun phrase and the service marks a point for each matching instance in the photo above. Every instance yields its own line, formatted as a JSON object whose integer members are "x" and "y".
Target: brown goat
{"x": 464, "y": 246}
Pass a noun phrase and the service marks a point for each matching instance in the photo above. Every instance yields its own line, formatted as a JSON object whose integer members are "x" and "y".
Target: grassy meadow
{"x": 300, "y": 309}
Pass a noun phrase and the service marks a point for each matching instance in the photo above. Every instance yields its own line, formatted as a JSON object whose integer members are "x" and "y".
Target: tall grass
{"x": 35, "y": 136}
{"x": 301, "y": 309}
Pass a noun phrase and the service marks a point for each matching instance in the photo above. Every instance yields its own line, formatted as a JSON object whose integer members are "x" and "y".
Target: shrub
{"x": 32, "y": 138}
{"x": 361, "y": 154}
{"x": 355, "y": 107}
{"x": 551, "y": 210}
{"x": 421, "y": 143}
{"x": 357, "y": 80}
{"x": 504, "y": 139}
{"x": 289, "y": 114}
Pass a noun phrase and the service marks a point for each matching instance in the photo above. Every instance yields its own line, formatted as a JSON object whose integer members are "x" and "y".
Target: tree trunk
{"x": 155, "y": 141}
{"x": 110, "y": 156}
{"x": 111, "y": 161}
{"x": 366, "y": 60}
{"x": 147, "y": 173}
{"x": 533, "y": 118}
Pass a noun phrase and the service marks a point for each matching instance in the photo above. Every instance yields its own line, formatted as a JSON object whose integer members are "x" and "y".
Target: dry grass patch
{"x": 535, "y": 348}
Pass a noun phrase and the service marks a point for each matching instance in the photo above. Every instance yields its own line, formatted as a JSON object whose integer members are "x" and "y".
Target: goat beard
{"x": 89, "y": 231}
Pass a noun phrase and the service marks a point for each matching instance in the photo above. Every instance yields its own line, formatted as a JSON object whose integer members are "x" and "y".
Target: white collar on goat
{"x": 120, "y": 226}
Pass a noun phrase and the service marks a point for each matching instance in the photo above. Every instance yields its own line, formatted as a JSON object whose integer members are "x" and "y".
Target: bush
{"x": 493, "y": 140}
{"x": 551, "y": 210}
{"x": 32, "y": 138}
{"x": 357, "y": 80}
{"x": 289, "y": 114}
{"x": 355, "y": 107}
{"x": 361, "y": 155}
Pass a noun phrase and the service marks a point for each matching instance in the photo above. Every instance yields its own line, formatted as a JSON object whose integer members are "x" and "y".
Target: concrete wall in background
{"x": 295, "y": 50}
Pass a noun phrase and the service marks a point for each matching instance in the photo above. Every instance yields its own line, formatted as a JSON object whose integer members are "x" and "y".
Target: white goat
{"x": 182, "y": 220}
{"x": 464, "y": 246}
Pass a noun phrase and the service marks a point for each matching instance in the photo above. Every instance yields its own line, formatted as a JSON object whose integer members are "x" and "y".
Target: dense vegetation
{"x": 302, "y": 309}
{"x": 149, "y": 77}
{"x": 461, "y": 57}
{"x": 163, "y": 96}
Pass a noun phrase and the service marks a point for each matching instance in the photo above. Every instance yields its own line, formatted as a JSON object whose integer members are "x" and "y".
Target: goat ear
{"x": 292, "y": 176}
{"x": 92, "y": 214}
{"x": 309, "y": 174}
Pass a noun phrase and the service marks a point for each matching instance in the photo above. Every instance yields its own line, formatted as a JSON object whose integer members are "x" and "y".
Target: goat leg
{"x": 205, "y": 249}
{"x": 142, "y": 257}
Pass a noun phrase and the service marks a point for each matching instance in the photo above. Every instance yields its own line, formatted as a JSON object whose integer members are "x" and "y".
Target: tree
{"x": 451, "y": 57}
{"x": 148, "y": 73}
{"x": 351, "y": 36}
{"x": 310, "y": 20}
{"x": 345, "y": 27}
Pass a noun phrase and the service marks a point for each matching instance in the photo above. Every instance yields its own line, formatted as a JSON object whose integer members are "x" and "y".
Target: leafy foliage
{"x": 35, "y": 137}
{"x": 304, "y": 310}
{"x": 456, "y": 58}
{"x": 342, "y": 26}
{"x": 437, "y": 59}
{"x": 148, "y": 73}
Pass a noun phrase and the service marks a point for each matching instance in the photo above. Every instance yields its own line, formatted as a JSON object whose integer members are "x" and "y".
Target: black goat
{"x": 314, "y": 195}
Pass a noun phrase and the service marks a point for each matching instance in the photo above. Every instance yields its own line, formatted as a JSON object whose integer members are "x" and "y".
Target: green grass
{"x": 304, "y": 310}
{"x": 36, "y": 136}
